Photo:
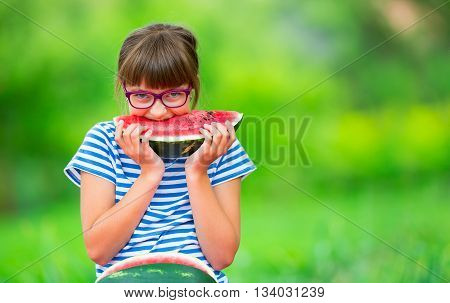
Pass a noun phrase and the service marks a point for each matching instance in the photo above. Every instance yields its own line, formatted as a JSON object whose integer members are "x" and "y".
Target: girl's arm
{"x": 108, "y": 226}
{"x": 217, "y": 217}
{"x": 215, "y": 211}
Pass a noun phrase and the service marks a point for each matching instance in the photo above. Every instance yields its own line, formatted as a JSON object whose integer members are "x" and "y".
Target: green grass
{"x": 292, "y": 238}
{"x": 286, "y": 237}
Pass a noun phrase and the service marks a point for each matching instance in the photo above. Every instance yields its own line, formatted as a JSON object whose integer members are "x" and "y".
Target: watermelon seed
{"x": 188, "y": 148}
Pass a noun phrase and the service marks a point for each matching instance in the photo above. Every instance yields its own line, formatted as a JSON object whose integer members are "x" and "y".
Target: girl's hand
{"x": 218, "y": 139}
{"x": 141, "y": 153}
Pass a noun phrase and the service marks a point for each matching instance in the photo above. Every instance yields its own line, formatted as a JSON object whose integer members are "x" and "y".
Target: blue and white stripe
{"x": 168, "y": 224}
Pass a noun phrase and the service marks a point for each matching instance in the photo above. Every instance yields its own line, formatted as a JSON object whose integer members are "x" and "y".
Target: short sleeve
{"x": 93, "y": 156}
{"x": 234, "y": 164}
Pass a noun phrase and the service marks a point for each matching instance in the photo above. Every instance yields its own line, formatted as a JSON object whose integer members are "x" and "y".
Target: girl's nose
{"x": 158, "y": 110}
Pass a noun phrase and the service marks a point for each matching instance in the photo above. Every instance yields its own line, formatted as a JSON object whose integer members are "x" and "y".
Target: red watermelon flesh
{"x": 157, "y": 258}
{"x": 181, "y": 128}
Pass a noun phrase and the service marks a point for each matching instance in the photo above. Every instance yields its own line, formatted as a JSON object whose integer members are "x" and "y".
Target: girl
{"x": 132, "y": 201}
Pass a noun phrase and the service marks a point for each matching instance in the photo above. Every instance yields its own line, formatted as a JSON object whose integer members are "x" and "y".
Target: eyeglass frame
{"x": 159, "y": 96}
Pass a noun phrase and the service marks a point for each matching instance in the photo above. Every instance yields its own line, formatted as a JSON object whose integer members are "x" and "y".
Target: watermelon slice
{"x": 158, "y": 268}
{"x": 179, "y": 136}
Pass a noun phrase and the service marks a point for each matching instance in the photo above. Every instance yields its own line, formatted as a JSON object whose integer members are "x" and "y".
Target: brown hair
{"x": 161, "y": 55}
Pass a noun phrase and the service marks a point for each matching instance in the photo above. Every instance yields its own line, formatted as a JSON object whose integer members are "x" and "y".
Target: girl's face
{"x": 158, "y": 111}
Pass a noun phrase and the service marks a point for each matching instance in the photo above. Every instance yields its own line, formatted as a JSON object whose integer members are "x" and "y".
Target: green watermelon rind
{"x": 175, "y": 149}
{"x": 158, "y": 258}
{"x": 159, "y": 273}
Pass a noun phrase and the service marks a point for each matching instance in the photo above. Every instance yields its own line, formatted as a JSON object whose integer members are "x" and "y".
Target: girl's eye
{"x": 174, "y": 95}
{"x": 141, "y": 96}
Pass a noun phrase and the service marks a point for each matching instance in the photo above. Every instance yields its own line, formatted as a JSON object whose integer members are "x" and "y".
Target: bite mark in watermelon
{"x": 180, "y": 136}
{"x": 158, "y": 268}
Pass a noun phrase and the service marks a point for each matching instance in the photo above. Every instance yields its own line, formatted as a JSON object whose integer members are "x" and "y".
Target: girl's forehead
{"x": 143, "y": 86}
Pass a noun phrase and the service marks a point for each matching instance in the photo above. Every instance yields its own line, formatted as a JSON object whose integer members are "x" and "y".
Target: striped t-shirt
{"x": 168, "y": 224}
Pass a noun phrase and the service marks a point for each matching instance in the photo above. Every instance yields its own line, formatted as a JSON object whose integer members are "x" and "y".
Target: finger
{"x": 206, "y": 146}
{"x": 119, "y": 133}
{"x": 135, "y": 144}
{"x": 221, "y": 148}
{"x": 145, "y": 146}
{"x": 232, "y": 133}
{"x": 222, "y": 128}
{"x": 135, "y": 137}
{"x": 207, "y": 127}
{"x": 145, "y": 140}
{"x": 147, "y": 136}
{"x": 127, "y": 133}
{"x": 207, "y": 135}
{"x": 217, "y": 137}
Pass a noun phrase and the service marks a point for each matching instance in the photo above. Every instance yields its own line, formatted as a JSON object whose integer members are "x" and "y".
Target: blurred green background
{"x": 378, "y": 140}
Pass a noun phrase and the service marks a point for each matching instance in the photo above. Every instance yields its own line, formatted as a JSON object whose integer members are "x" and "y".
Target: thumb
{"x": 145, "y": 141}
